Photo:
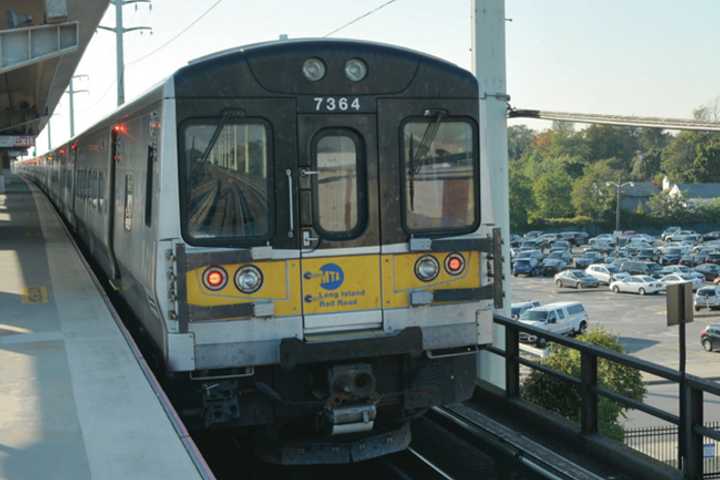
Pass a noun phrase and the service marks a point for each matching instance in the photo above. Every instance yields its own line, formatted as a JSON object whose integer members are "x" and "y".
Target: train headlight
{"x": 313, "y": 69}
{"x": 427, "y": 268}
{"x": 248, "y": 279}
{"x": 214, "y": 278}
{"x": 355, "y": 69}
{"x": 454, "y": 264}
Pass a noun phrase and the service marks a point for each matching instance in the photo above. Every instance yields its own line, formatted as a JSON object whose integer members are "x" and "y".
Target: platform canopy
{"x": 41, "y": 43}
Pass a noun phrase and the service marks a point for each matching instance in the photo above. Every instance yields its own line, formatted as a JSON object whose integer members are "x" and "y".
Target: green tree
{"x": 521, "y": 200}
{"x": 563, "y": 398}
{"x": 679, "y": 156}
{"x": 607, "y": 141}
{"x": 706, "y": 165}
{"x": 663, "y": 205}
{"x": 520, "y": 140}
{"x": 590, "y": 196}
{"x": 551, "y": 194}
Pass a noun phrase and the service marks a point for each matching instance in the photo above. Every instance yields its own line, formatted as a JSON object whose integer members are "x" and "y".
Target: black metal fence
{"x": 691, "y": 433}
{"x": 661, "y": 443}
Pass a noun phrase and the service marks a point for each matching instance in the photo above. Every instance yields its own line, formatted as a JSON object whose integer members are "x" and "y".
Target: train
{"x": 296, "y": 225}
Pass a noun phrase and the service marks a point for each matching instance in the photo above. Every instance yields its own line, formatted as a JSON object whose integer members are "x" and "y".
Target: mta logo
{"x": 332, "y": 276}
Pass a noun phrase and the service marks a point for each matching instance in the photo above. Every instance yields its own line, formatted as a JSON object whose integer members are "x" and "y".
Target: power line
{"x": 176, "y": 36}
{"x": 357, "y": 19}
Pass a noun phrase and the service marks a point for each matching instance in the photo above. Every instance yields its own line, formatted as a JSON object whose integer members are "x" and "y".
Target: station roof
{"x": 41, "y": 43}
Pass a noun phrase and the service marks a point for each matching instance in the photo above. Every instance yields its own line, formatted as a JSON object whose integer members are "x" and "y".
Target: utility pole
{"x": 618, "y": 188}
{"x": 71, "y": 92}
{"x": 120, "y": 30}
{"x": 49, "y": 130}
{"x": 488, "y": 60}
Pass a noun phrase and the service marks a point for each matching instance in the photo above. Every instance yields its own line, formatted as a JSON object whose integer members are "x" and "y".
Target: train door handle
{"x": 307, "y": 172}
{"x": 308, "y": 239}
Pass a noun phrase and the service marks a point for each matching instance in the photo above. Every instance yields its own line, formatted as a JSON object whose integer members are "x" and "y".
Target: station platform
{"x": 76, "y": 399}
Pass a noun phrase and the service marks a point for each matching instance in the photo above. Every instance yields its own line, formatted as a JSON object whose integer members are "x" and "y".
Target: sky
{"x": 639, "y": 57}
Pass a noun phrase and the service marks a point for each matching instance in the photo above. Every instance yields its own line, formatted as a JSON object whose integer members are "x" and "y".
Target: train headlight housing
{"x": 427, "y": 268}
{"x": 313, "y": 69}
{"x": 214, "y": 278}
{"x": 355, "y": 69}
{"x": 248, "y": 279}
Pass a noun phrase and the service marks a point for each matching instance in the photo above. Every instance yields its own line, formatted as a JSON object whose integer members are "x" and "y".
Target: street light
{"x": 618, "y": 188}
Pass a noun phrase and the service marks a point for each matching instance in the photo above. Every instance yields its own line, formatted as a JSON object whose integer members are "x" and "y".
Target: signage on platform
{"x": 16, "y": 141}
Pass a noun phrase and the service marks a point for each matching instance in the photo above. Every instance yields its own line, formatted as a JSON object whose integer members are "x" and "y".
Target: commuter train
{"x": 297, "y": 227}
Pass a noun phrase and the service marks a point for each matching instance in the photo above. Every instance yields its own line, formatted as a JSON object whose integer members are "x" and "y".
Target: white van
{"x": 562, "y": 318}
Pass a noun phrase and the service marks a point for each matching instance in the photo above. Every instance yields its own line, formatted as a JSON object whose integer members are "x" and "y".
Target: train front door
{"x": 339, "y": 222}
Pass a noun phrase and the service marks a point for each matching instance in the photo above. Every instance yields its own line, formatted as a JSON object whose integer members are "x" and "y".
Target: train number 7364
{"x": 337, "y": 104}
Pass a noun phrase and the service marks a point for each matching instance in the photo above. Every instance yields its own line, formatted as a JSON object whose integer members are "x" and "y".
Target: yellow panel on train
{"x": 341, "y": 284}
{"x": 281, "y": 286}
{"x": 399, "y": 277}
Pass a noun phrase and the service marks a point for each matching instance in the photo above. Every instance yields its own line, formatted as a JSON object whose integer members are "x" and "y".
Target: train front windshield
{"x": 227, "y": 176}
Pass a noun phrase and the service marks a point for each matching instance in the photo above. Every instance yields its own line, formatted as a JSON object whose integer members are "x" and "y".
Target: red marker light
{"x": 214, "y": 278}
{"x": 454, "y": 264}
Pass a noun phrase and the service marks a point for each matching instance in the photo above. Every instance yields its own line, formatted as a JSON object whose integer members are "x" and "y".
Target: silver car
{"x": 707, "y": 297}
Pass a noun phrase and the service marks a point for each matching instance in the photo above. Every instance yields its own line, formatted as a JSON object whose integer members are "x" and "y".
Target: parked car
{"x": 712, "y": 258}
{"x": 711, "y": 236}
{"x": 516, "y": 309}
{"x": 550, "y": 266}
{"x": 532, "y": 234}
{"x": 525, "y": 266}
{"x": 560, "y": 244}
{"x": 649, "y": 254}
{"x": 575, "y": 278}
{"x": 678, "y": 278}
{"x": 605, "y": 273}
{"x": 636, "y": 267}
{"x": 563, "y": 318}
{"x": 668, "y": 232}
{"x": 582, "y": 261}
{"x": 671, "y": 255}
{"x": 710, "y": 270}
{"x": 674, "y": 269}
{"x": 640, "y": 284}
{"x": 515, "y": 240}
{"x": 707, "y": 297}
{"x": 560, "y": 253}
{"x": 710, "y": 337}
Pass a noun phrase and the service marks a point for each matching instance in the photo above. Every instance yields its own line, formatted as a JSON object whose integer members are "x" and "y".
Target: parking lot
{"x": 640, "y": 324}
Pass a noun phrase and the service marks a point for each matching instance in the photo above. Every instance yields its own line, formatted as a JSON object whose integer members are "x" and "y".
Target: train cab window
{"x": 441, "y": 176}
{"x": 227, "y": 184}
{"x": 337, "y": 155}
{"x": 149, "y": 184}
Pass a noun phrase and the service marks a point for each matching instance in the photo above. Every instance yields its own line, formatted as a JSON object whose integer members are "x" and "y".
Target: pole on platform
{"x": 71, "y": 94}
{"x": 488, "y": 60}
{"x": 120, "y": 31}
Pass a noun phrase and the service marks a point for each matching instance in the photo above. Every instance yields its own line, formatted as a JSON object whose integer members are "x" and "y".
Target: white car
{"x": 562, "y": 318}
{"x": 640, "y": 284}
{"x": 678, "y": 278}
{"x": 707, "y": 297}
{"x": 605, "y": 272}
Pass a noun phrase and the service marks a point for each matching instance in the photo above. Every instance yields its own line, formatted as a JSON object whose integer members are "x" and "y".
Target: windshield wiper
{"x": 418, "y": 157}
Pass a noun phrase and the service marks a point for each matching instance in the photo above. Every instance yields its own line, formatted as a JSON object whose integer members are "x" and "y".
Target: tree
{"x": 590, "y": 196}
{"x": 606, "y": 141}
{"x": 551, "y": 193}
{"x": 520, "y": 140}
{"x": 678, "y": 157}
{"x": 663, "y": 205}
{"x": 521, "y": 199}
{"x": 565, "y": 399}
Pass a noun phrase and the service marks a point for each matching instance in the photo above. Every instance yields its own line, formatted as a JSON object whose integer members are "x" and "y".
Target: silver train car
{"x": 297, "y": 227}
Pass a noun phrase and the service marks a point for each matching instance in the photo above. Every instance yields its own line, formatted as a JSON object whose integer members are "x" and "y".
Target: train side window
{"x": 339, "y": 189}
{"x": 149, "y": 184}
{"x": 441, "y": 174}
{"x": 227, "y": 191}
{"x": 129, "y": 194}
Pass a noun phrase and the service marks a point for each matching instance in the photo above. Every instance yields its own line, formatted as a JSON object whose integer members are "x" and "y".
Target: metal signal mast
{"x": 120, "y": 30}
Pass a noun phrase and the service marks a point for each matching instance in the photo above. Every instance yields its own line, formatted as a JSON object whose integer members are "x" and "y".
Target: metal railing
{"x": 690, "y": 427}
{"x": 661, "y": 443}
